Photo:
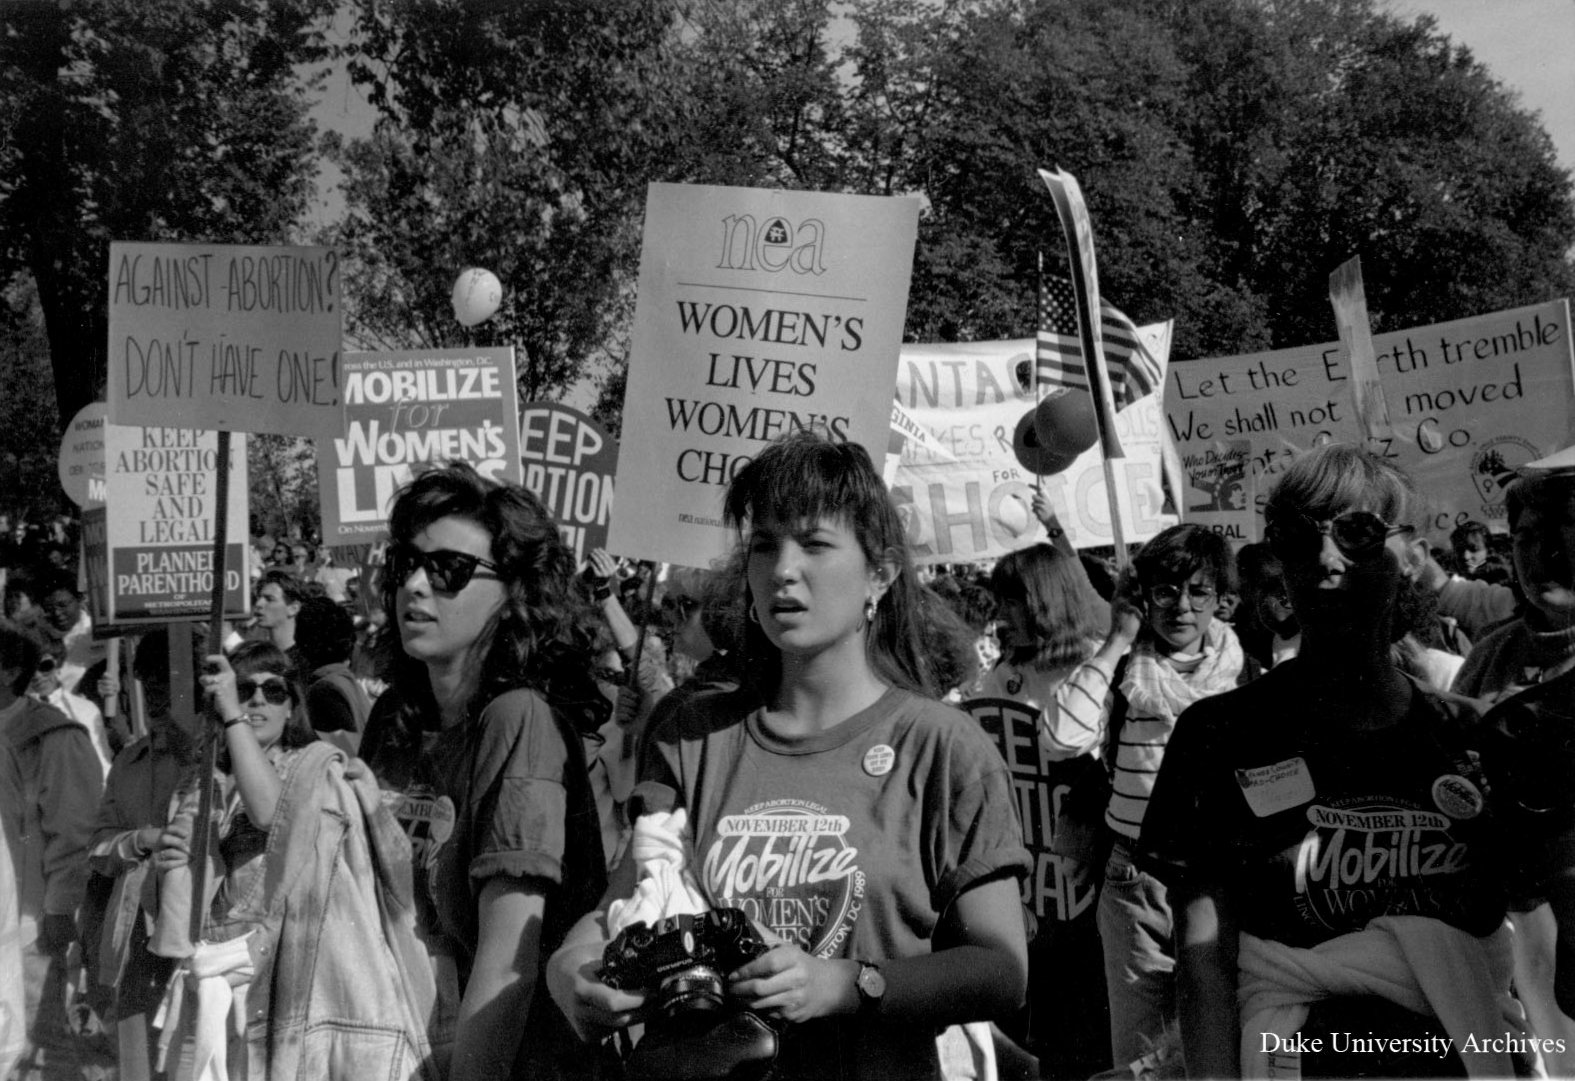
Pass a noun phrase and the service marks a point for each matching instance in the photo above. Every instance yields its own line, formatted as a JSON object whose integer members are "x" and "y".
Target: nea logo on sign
{"x": 774, "y": 244}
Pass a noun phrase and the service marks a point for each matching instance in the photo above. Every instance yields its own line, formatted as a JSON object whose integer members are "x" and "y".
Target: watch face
{"x": 871, "y": 983}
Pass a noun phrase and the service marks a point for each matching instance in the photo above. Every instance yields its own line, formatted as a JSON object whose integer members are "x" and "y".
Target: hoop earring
{"x": 752, "y": 615}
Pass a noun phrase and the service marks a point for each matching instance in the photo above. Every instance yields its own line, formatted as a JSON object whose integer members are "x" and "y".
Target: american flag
{"x": 1058, "y": 358}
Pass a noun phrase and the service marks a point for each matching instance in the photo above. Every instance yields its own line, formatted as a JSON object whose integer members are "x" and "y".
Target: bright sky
{"x": 1529, "y": 45}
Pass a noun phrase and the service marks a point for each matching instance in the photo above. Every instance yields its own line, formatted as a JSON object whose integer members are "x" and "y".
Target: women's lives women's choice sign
{"x": 160, "y": 520}
{"x": 1469, "y": 401}
{"x": 221, "y": 336}
{"x": 570, "y": 461}
{"x": 404, "y": 410}
{"x": 962, "y": 492}
{"x": 759, "y": 312}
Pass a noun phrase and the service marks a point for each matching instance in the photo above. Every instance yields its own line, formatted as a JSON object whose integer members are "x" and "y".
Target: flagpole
{"x": 1039, "y": 384}
{"x": 1078, "y": 233}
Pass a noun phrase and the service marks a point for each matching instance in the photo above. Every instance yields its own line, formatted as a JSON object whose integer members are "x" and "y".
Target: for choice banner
{"x": 403, "y": 410}
{"x": 1470, "y": 400}
{"x": 962, "y": 492}
{"x": 160, "y": 517}
{"x": 225, "y": 337}
{"x": 759, "y": 311}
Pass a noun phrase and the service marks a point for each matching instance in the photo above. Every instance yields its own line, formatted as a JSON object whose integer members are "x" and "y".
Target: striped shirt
{"x": 1083, "y": 707}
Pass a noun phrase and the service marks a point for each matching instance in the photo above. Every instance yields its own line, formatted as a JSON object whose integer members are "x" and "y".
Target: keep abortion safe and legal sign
{"x": 759, "y": 311}
{"x": 222, "y": 336}
{"x": 159, "y": 524}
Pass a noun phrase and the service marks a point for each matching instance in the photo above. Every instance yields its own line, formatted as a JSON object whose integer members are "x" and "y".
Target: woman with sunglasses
{"x": 1331, "y": 848}
{"x": 869, "y": 830}
{"x": 255, "y": 695}
{"x": 478, "y": 747}
{"x": 1165, "y": 650}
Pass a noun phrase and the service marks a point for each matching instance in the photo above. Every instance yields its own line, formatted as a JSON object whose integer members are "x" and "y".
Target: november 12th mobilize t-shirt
{"x": 851, "y": 842}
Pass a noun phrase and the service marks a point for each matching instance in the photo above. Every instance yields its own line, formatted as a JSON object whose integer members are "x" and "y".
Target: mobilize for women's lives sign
{"x": 759, "y": 312}
{"x": 406, "y": 410}
{"x": 216, "y": 336}
{"x": 1469, "y": 401}
{"x": 160, "y": 518}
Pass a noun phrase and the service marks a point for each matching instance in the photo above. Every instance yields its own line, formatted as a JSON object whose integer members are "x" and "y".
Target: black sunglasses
{"x": 1359, "y": 534}
{"x": 275, "y": 690}
{"x": 448, "y": 572}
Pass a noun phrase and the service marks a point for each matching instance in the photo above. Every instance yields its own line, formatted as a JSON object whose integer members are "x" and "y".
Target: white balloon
{"x": 477, "y": 294}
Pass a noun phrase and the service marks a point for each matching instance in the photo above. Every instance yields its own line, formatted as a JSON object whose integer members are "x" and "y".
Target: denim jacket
{"x": 343, "y": 988}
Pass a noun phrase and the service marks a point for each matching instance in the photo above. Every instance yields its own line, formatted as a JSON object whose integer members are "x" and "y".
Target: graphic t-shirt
{"x": 851, "y": 842}
{"x": 504, "y": 794}
{"x": 1315, "y": 829}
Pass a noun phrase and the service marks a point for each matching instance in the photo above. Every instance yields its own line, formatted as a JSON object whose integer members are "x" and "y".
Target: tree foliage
{"x": 516, "y": 137}
{"x": 182, "y": 120}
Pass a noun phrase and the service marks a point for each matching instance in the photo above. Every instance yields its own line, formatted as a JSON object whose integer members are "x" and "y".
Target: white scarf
{"x": 1155, "y": 689}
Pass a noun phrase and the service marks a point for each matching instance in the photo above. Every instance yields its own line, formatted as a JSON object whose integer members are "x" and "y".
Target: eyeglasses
{"x": 275, "y": 691}
{"x": 448, "y": 572}
{"x": 1359, "y": 534}
{"x": 1168, "y": 595}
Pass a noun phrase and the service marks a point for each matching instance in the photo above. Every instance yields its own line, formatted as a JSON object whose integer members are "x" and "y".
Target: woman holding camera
{"x": 478, "y": 747}
{"x": 867, "y": 829}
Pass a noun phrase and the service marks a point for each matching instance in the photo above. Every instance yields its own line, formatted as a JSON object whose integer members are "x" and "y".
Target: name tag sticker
{"x": 1272, "y": 789}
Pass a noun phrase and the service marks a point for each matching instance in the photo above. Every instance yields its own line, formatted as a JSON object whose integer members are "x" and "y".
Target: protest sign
{"x": 404, "y": 410}
{"x": 570, "y": 462}
{"x": 970, "y": 498}
{"x": 1058, "y": 889}
{"x": 82, "y": 456}
{"x": 221, "y": 336}
{"x": 1469, "y": 400}
{"x": 160, "y": 520}
{"x": 1221, "y": 490}
{"x": 759, "y": 312}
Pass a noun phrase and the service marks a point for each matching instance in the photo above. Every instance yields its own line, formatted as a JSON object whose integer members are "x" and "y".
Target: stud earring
{"x": 869, "y": 610}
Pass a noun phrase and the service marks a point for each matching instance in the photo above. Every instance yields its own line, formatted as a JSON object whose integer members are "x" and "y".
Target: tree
{"x": 517, "y": 137}
{"x": 30, "y": 429}
{"x": 181, "y": 120}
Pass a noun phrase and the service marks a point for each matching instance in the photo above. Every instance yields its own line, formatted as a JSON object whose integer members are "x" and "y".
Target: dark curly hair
{"x": 808, "y": 476}
{"x": 544, "y": 635}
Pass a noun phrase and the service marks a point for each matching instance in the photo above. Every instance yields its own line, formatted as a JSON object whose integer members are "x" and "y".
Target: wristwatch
{"x": 871, "y": 986}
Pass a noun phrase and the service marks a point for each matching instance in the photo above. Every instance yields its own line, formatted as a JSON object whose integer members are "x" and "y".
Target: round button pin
{"x": 1457, "y": 797}
{"x": 879, "y": 759}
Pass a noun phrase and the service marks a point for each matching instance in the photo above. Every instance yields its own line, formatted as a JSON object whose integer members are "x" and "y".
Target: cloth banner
{"x": 1469, "y": 400}
{"x": 962, "y": 491}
